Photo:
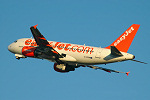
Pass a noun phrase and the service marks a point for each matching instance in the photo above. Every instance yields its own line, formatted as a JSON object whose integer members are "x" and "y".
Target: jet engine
{"x": 63, "y": 68}
{"x": 28, "y": 51}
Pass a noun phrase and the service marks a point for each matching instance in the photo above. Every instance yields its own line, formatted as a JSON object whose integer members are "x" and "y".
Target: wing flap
{"x": 43, "y": 43}
{"x": 39, "y": 38}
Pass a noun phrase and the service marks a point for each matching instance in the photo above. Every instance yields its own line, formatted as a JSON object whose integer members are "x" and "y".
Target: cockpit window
{"x": 15, "y": 41}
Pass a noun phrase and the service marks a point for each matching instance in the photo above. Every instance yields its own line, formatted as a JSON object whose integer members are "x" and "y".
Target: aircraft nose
{"x": 14, "y": 48}
{"x": 10, "y": 47}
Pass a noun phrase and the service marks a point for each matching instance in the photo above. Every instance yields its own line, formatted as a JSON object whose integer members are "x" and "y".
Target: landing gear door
{"x": 98, "y": 54}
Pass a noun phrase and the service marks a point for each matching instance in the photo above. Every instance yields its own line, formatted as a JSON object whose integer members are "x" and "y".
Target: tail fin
{"x": 123, "y": 42}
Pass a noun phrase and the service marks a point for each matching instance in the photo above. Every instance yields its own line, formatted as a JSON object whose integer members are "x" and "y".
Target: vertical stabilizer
{"x": 123, "y": 42}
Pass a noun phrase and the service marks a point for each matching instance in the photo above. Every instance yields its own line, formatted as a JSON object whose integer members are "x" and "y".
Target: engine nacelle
{"x": 63, "y": 68}
{"x": 28, "y": 51}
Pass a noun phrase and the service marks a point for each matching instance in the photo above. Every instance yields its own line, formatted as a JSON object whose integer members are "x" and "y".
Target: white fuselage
{"x": 75, "y": 54}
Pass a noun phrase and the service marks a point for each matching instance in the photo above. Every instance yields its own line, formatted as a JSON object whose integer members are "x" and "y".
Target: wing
{"x": 107, "y": 70}
{"x": 43, "y": 44}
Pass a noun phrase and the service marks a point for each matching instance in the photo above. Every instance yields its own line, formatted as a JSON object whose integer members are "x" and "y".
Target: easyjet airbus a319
{"x": 67, "y": 57}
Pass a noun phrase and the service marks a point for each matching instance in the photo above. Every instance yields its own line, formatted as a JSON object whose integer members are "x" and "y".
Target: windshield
{"x": 15, "y": 41}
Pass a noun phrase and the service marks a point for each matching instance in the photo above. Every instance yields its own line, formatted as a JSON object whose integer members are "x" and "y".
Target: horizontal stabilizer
{"x": 139, "y": 61}
{"x": 115, "y": 51}
{"x": 108, "y": 70}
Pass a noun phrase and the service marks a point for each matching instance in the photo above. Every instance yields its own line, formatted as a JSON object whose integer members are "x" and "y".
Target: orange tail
{"x": 123, "y": 42}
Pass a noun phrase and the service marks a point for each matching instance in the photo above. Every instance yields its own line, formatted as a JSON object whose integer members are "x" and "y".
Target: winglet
{"x": 35, "y": 26}
{"x": 127, "y": 73}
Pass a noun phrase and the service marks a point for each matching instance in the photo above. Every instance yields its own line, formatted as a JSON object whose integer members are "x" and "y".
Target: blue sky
{"x": 91, "y": 22}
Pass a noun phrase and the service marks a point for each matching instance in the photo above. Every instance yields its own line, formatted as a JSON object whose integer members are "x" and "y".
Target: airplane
{"x": 67, "y": 57}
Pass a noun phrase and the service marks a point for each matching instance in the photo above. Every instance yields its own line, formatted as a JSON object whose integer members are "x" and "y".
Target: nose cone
{"x": 10, "y": 48}
{"x": 14, "y": 48}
